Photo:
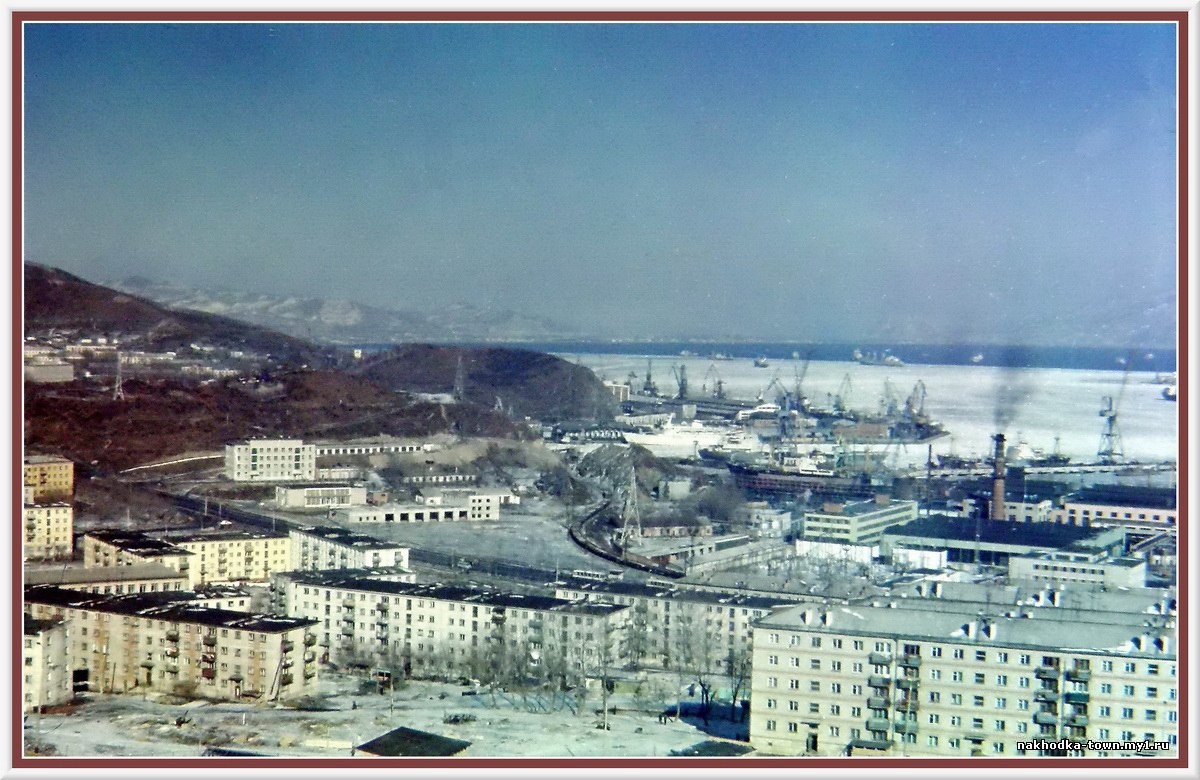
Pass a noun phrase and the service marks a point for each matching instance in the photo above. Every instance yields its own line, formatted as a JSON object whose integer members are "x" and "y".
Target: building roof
{"x": 34, "y": 626}
{"x": 1116, "y": 605}
{"x": 350, "y": 538}
{"x": 676, "y": 593}
{"x": 136, "y": 542}
{"x": 355, "y": 580}
{"x": 1126, "y": 495}
{"x": 74, "y": 575}
{"x": 169, "y": 606}
{"x": 226, "y": 535}
{"x": 1052, "y": 633}
{"x": 36, "y": 460}
{"x": 404, "y": 741}
{"x": 963, "y": 529}
{"x": 859, "y": 508}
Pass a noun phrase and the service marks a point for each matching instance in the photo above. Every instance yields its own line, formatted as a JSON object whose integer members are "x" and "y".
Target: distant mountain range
{"x": 347, "y": 322}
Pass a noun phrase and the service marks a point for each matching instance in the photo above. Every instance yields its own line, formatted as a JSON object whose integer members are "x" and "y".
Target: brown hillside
{"x": 528, "y": 384}
{"x": 164, "y": 417}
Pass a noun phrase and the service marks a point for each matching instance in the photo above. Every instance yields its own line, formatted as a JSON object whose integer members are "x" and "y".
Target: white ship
{"x": 678, "y": 440}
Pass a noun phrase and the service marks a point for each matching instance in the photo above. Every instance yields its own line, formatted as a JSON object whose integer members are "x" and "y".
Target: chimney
{"x": 997, "y": 512}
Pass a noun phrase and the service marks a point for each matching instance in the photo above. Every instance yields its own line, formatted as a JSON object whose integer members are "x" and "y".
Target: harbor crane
{"x": 649, "y": 388}
{"x": 680, "y": 374}
{"x": 841, "y": 399}
{"x": 914, "y": 405}
{"x": 631, "y": 526}
{"x": 718, "y": 391}
{"x": 1111, "y": 450}
{"x": 800, "y": 401}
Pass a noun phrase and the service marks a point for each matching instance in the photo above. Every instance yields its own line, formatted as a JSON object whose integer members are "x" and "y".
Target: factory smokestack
{"x": 997, "y": 512}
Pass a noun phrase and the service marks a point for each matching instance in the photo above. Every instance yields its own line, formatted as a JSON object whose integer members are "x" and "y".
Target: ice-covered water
{"x": 1036, "y": 405}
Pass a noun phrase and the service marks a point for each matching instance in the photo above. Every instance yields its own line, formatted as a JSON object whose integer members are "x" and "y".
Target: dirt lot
{"x": 348, "y": 713}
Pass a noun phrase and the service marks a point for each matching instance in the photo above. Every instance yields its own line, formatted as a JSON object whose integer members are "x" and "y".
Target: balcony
{"x": 875, "y": 681}
{"x": 172, "y": 669}
{"x": 310, "y": 673}
{"x": 287, "y": 646}
{"x": 209, "y": 641}
{"x": 208, "y": 658}
{"x": 1046, "y": 694}
{"x": 310, "y": 658}
{"x": 1076, "y": 698}
{"x": 911, "y": 661}
{"x": 907, "y": 683}
{"x": 172, "y": 636}
{"x": 906, "y": 727}
{"x": 286, "y": 663}
{"x": 348, "y": 630}
{"x": 147, "y": 664}
{"x": 1077, "y": 720}
{"x": 1047, "y": 673}
{"x": 310, "y": 640}
{"x": 235, "y": 677}
{"x": 381, "y": 607}
{"x": 881, "y": 659}
{"x": 286, "y": 679}
{"x": 208, "y": 674}
{"x": 1079, "y": 675}
{"x": 878, "y": 703}
{"x": 348, "y": 603}
{"x": 172, "y": 653}
{"x": 878, "y": 724}
{"x": 908, "y": 705}
{"x": 1045, "y": 719}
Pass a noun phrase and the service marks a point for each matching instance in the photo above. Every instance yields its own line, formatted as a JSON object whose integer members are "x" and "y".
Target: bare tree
{"x": 739, "y": 668}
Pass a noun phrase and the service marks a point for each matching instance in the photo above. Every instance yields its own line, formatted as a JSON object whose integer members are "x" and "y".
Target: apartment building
{"x": 235, "y": 556}
{"x": 376, "y": 447}
{"x": 52, "y": 478}
{"x": 675, "y": 625}
{"x": 927, "y": 682}
{"x": 271, "y": 460}
{"x": 106, "y": 547}
{"x": 46, "y": 671}
{"x": 320, "y": 496}
{"x": 111, "y": 580}
{"x": 161, "y": 642}
{"x": 858, "y": 522}
{"x": 316, "y": 548}
{"x": 49, "y": 531}
{"x": 445, "y": 629}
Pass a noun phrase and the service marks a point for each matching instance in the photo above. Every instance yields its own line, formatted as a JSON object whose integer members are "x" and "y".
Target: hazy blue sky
{"x": 791, "y": 181}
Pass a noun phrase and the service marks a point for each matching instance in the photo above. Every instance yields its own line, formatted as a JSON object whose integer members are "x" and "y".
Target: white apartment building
{"x": 677, "y": 625}
{"x": 48, "y": 532}
{"x": 444, "y": 629}
{"x": 105, "y": 547}
{"x": 317, "y": 548}
{"x": 911, "y": 681}
{"x": 234, "y": 556}
{"x": 320, "y": 496}
{"x": 271, "y": 460}
{"x": 376, "y": 447}
{"x": 159, "y": 642}
{"x": 46, "y": 670}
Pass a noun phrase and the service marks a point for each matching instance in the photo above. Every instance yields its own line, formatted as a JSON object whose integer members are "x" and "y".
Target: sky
{"x": 807, "y": 182}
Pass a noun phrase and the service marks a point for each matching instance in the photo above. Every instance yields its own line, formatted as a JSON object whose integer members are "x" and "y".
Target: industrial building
{"x": 992, "y": 542}
{"x": 322, "y": 496}
{"x": 913, "y": 681}
{"x": 402, "y": 513}
{"x": 858, "y": 522}
{"x": 271, "y": 460}
{"x": 160, "y": 642}
{"x": 1143, "y": 510}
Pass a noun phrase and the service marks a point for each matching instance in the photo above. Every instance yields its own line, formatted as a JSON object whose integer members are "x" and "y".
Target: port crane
{"x": 841, "y": 399}
{"x": 649, "y": 388}
{"x": 680, "y": 374}
{"x": 1111, "y": 450}
{"x": 718, "y": 391}
{"x": 800, "y": 401}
